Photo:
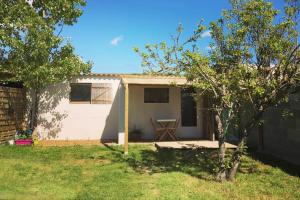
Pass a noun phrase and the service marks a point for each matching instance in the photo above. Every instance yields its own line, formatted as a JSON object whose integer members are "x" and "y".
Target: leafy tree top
{"x": 31, "y": 47}
{"x": 254, "y": 57}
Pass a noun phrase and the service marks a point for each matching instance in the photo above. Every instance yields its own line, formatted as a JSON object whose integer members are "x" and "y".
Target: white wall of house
{"x": 140, "y": 112}
{"x": 59, "y": 119}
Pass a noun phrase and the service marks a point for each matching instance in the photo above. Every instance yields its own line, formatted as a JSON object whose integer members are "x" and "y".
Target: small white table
{"x": 166, "y": 120}
{"x": 170, "y": 131}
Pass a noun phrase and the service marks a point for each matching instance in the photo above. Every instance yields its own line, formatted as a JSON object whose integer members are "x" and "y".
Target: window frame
{"x": 157, "y": 101}
{"x": 80, "y": 102}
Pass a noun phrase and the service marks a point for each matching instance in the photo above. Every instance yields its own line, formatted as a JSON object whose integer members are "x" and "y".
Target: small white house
{"x": 107, "y": 106}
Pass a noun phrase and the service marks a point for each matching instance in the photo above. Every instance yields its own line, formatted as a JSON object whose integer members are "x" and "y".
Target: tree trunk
{"x": 236, "y": 159}
{"x": 237, "y": 155}
{"x": 221, "y": 175}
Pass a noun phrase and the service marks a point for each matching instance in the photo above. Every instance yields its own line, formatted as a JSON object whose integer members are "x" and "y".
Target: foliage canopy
{"x": 31, "y": 48}
{"x": 253, "y": 64}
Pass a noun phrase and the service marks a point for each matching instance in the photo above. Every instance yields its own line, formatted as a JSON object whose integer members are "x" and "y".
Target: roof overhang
{"x": 153, "y": 80}
{"x": 144, "y": 79}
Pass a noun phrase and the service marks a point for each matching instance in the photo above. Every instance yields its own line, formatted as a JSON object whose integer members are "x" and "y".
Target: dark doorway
{"x": 188, "y": 107}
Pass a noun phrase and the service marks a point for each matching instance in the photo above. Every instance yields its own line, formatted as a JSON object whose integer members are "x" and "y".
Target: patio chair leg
{"x": 163, "y": 136}
{"x": 157, "y": 137}
{"x": 172, "y": 136}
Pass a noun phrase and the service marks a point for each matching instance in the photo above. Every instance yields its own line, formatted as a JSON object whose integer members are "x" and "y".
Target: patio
{"x": 163, "y": 109}
{"x": 191, "y": 144}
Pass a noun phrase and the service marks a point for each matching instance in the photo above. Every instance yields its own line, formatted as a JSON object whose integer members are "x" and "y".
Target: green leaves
{"x": 170, "y": 58}
{"x": 253, "y": 61}
{"x": 253, "y": 64}
{"x": 31, "y": 46}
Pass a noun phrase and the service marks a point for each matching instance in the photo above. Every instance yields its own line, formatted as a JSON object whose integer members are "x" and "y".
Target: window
{"x": 156, "y": 95}
{"x": 188, "y": 108}
{"x": 95, "y": 93}
{"x": 80, "y": 92}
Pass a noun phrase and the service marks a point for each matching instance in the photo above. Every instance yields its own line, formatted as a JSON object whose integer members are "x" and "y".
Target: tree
{"x": 31, "y": 48}
{"x": 253, "y": 36}
{"x": 253, "y": 65}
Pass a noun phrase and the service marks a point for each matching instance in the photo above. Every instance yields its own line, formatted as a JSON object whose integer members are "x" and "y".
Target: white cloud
{"x": 205, "y": 34}
{"x": 115, "y": 41}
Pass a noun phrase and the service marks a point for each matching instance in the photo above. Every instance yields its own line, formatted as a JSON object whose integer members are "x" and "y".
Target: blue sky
{"x": 109, "y": 29}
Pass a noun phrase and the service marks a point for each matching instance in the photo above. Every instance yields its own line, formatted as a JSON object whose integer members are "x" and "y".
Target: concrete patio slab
{"x": 191, "y": 144}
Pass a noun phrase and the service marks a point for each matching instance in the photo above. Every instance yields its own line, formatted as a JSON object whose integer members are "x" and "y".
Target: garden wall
{"x": 12, "y": 111}
{"x": 281, "y": 133}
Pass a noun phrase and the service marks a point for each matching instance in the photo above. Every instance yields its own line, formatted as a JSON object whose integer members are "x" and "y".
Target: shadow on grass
{"x": 287, "y": 167}
{"x": 199, "y": 163}
{"x": 112, "y": 148}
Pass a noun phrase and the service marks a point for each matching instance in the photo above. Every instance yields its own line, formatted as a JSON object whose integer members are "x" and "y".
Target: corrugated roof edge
{"x": 132, "y": 75}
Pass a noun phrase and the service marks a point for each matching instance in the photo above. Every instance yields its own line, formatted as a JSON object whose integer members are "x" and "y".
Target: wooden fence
{"x": 12, "y": 111}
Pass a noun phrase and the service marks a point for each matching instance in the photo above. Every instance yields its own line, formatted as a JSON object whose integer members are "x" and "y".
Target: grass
{"x": 104, "y": 173}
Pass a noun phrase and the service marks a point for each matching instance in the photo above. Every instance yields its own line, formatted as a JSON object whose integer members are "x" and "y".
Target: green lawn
{"x": 104, "y": 173}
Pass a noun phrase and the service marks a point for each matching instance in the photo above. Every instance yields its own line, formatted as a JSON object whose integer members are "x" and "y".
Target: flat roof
{"x": 131, "y": 75}
{"x": 145, "y": 79}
